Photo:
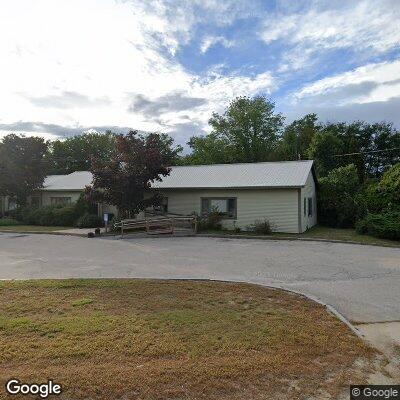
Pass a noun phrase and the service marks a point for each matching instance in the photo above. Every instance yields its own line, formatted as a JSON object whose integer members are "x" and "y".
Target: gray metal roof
{"x": 247, "y": 175}
{"x": 278, "y": 174}
{"x": 75, "y": 181}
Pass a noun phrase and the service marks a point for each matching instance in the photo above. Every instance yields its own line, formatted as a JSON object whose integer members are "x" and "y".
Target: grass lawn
{"x": 32, "y": 228}
{"x": 144, "y": 339}
{"x": 323, "y": 232}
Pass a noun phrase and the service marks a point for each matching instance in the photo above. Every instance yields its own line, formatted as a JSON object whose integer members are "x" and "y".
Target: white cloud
{"x": 76, "y": 64}
{"x": 370, "y": 83}
{"x": 364, "y": 26}
{"x": 370, "y": 93}
{"x": 210, "y": 41}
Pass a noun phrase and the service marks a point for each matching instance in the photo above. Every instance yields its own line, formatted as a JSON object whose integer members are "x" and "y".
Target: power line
{"x": 366, "y": 152}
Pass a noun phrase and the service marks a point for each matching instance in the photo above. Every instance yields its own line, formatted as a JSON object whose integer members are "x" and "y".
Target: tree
{"x": 74, "y": 153}
{"x": 384, "y": 195}
{"x": 372, "y": 148}
{"x": 323, "y": 150}
{"x": 297, "y": 138}
{"x": 125, "y": 180}
{"x": 210, "y": 149}
{"x": 170, "y": 154}
{"x": 247, "y": 131}
{"x": 340, "y": 203}
{"x": 22, "y": 166}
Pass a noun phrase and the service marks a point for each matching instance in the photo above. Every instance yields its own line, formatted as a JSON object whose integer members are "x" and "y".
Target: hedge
{"x": 89, "y": 221}
{"x": 386, "y": 225}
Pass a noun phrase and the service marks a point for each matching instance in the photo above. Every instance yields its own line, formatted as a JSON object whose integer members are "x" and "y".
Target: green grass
{"x": 8, "y": 222}
{"x": 32, "y": 228}
{"x": 322, "y": 232}
{"x": 144, "y": 339}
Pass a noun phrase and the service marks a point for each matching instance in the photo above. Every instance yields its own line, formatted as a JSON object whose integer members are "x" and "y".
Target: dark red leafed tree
{"x": 125, "y": 180}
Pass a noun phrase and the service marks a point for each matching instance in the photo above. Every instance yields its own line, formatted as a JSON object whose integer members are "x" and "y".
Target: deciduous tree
{"x": 22, "y": 166}
{"x": 125, "y": 180}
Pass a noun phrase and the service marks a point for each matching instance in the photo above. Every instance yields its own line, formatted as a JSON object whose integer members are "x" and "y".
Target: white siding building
{"x": 282, "y": 192}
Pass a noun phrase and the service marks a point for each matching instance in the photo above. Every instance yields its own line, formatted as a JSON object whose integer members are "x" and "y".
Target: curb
{"x": 45, "y": 233}
{"x": 218, "y": 236}
{"x": 289, "y": 238}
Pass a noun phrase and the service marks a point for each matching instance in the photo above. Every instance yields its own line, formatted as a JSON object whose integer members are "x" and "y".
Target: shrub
{"x": 89, "y": 221}
{"x": 111, "y": 224}
{"x": 8, "y": 222}
{"x": 47, "y": 215}
{"x": 262, "y": 227}
{"x": 386, "y": 225}
{"x": 82, "y": 207}
{"x": 64, "y": 216}
{"x": 212, "y": 221}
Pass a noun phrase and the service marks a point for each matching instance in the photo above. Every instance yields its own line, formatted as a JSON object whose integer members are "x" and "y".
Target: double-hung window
{"x": 225, "y": 206}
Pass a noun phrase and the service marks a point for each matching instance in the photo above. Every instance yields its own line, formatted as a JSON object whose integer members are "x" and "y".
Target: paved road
{"x": 362, "y": 282}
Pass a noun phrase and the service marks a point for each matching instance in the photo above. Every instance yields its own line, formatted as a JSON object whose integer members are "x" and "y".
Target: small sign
{"x": 105, "y": 217}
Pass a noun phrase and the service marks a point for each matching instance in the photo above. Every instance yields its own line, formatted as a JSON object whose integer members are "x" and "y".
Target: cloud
{"x": 369, "y": 83}
{"x": 181, "y": 132}
{"x": 55, "y": 130}
{"x": 172, "y": 102}
{"x": 370, "y": 93}
{"x": 67, "y": 99}
{"x": 211, "y": 41}
{"x": 377, "y": 111}
{"x": 364, "y": 27}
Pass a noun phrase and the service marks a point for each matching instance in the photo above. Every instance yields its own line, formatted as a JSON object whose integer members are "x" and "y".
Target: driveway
{"x": 361, "y": 282}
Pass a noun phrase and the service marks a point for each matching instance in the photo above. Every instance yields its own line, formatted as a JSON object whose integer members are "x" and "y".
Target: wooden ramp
{"x": 159, "y": 225}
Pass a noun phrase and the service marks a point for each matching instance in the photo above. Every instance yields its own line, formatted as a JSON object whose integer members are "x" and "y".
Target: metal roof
{"x": 75, "y": 181}
{"x": 279, "y": 174}
{"x": 247, "y": 175}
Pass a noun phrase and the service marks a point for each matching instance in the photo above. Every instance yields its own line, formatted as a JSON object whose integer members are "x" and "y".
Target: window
{"x": 310, "y": 206}
{"x": 63, "y": 201}
{"x": 224, "y": 206}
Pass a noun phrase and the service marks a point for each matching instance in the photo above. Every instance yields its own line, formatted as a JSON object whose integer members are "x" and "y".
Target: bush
{"x": 82, "y": 207}
{"x": 64, "y": 216}
{"x": 386, "y": 225}
{"x": 8, "y": 222}
{"x": 262, "y": 227}
{"x": 212, "y": 221}
{"x": 111, "y": 224}
{"x": 47, "y": 216}
{"x": 89, "y": 221}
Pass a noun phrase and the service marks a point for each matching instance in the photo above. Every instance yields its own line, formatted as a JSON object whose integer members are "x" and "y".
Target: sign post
{"x": 105, "y": 219}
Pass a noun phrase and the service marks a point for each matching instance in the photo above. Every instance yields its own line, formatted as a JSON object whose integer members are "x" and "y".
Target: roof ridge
{"x": 242, "y": 163}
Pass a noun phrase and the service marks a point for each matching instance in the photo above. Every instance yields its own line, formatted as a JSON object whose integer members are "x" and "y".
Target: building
{"x": 282, "y": 192}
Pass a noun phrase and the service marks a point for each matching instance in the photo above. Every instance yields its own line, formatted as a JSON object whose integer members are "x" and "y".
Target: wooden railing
{"x": 156, "y": 225}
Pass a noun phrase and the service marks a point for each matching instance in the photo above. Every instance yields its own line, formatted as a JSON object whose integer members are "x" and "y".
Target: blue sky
{"x": 70, "y": 66}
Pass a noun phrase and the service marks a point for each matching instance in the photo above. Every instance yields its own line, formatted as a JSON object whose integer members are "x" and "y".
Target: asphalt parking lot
{"x": 362, "y": 282}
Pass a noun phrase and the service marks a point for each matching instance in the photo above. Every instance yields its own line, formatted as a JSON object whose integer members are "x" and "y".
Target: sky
{"x": 68, "y": 66}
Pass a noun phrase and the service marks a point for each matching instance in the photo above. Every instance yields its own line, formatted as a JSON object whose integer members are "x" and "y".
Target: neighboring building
{"x": 282, "y": 192}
